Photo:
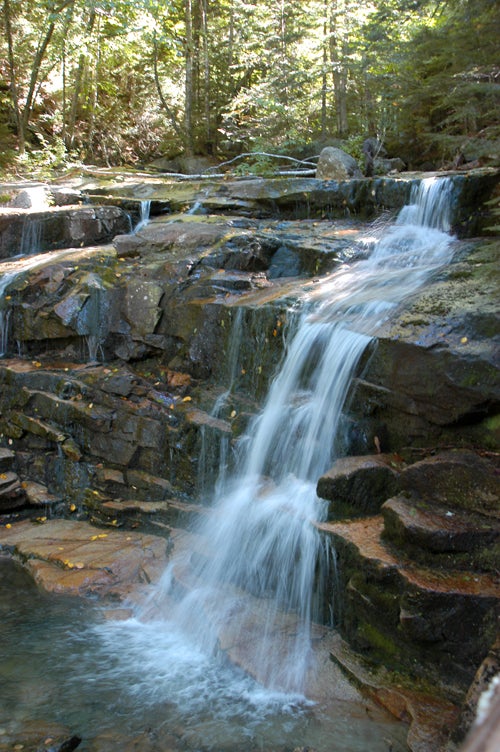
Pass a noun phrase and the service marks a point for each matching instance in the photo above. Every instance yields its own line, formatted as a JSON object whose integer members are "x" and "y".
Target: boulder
{"x": 35, "y": 197}
{"x": 335, "y": 164}
{"x": 385, "y": 166}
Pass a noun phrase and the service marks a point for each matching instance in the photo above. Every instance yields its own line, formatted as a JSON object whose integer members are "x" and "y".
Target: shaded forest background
{"x": 114, "y": 82}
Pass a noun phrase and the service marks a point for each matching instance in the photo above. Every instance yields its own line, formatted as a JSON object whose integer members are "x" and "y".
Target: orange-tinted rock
{"x": 76, "y": 558}
{"x": 436, "y": 623}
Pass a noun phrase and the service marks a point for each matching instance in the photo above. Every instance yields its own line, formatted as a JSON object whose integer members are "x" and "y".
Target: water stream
{"x": 261, "y": 538}
{"x": 245, "y": 583}
{"x": 144, "y": 215}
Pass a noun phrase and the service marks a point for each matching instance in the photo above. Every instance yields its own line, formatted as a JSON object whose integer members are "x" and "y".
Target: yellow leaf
{"x": 72, "y": 507}
{"x": 186, "y": 399}
{"x": 464, "y": 340}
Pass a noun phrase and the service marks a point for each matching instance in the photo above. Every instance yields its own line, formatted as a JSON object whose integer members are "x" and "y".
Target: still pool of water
{"x": 134, "y": 686}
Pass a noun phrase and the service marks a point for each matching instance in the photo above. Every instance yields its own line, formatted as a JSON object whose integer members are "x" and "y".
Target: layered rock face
{"x": 116, "y": 355}
{"x": 418, "y": 583}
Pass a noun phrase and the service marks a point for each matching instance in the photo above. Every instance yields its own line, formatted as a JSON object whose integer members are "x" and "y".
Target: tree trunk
{"x": 338, "y": 45}
{"x": 324, "y": 77}
{"x": 206, "y": 72}
{"x": 77, "y": 87}
{"x": 37, "y": 62}
{"x": 13, "y": 79}
{"x": 189, "y": 84}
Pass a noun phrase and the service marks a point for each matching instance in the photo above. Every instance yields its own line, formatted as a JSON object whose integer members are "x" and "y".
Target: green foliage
{"x": 108, "y": 79}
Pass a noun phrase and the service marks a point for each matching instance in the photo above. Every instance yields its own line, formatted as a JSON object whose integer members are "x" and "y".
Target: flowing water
{"x": 9, "y": 271}
{"x": 246, "y": 584}
{"x": 144, "y": 215}
{"x": 261, "y": 537}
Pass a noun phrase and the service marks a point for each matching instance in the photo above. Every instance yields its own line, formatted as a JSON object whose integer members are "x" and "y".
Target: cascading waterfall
{"x": 31, "y": 236}
{"x": 253, "y": 579}
{"x": 144, "y": 215}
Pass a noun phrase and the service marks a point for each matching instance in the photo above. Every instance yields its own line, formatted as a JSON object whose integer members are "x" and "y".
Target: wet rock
{"x": 37, "y": 735}
{"x": 59, "y": 227}
{"x": 457, "y": 478}
{"x": 71, "y": 450}
{"x": 141, "y": 306}
{"x": 37, "y": 495}
{"x": 432, "y": 376}
{"x": 12, "y": 494}
{"x": 429, "y": 715}
{"x": 436, "y": 624}
{"x": 359, "y": 485}
{"x": 435, "y": 528}
{"x": 60, "y": 745}
{"x": 335, "y": 164}
{"x": 121, "y": 383}
{"x": 75, "y": 558}
{"x": 7, "y": 457}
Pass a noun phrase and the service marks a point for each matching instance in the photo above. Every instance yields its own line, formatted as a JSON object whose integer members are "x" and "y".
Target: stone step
{"x": 12, "y": 494}
{"x": 356, "y": 486}
{"x": 435, "y": 528}
{"x": 138, "y": 512}
{"x": 438, "y": 623}
{"x": 38, "y": 495}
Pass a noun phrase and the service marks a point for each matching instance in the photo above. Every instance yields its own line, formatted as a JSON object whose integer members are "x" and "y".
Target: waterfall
{"x": 31, "y": 236}
{"x": 144, "y": 215}
{"x": 4, "y": 314}
{"x": 16, "y": 268}
{"x": 251, "y": 583}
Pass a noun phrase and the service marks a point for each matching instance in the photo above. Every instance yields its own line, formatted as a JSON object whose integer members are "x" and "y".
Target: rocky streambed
{"x": 114, "y": 356}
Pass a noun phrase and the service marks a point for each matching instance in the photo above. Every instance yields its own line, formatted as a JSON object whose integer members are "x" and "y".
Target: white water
{"x": 163, "y": 669}
{"x": 248, "y": 577}
{"x": 144, "y": 215}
